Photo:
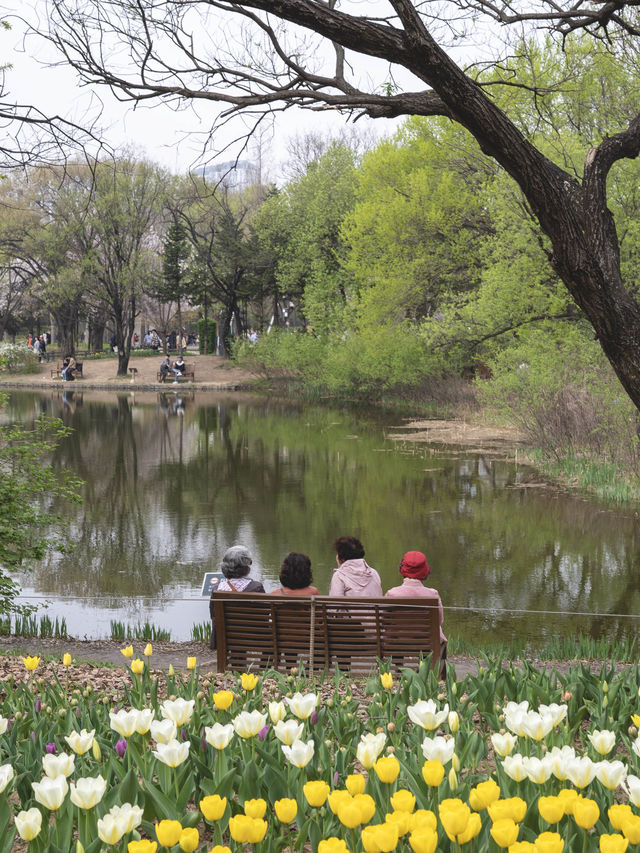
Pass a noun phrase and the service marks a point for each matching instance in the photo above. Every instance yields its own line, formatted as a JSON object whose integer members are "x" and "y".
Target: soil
{"x": 480, "y": 437}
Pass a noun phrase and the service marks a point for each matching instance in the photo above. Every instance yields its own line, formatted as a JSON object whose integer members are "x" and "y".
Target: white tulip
{"x": 538, "y": 770}
{"x": 6, "y": 775}
{"x": 632, "y": 788}
{"x": 559, "y": 759}
{"x": 124, "y": 722}
{"x": 602, "y": 741}
{"x": 288, "y": 732}
{"x": 173, "y": 753}
{"x": 581, "y": 771}
{"x": 87, "y": 791}
{"x": 129, "y": 815}
{"x": 143, "y": 720}
{"x": 162, "y": 731}
{"x": 369, "y": 749}
{"x": 29, "y": 824}
{"x": 179, "y": 710}
{"x": 219, "y": 736}
{"x": 81, "y": 742}
{"x": 611, "y": 773}
{"x": 249, "y": 723}
{"x": 537, "y": 726}
{"x": 558, "y": 712}
{"x": 50, "y": 793}
{"x": 438, "y": 749}
{"x": 302, "y": 706}
{"x": 426, "y": 714}
{"x": 58, "y": 765}
{"x": 514, "y": 767}
{"x": 635, "y": 746}
{"x": 277, "y": 711}
{"x": 111, "y": 829}
{"x": 514, "y": 714}
{"x": 4, "y": 722}
{"x": 299, "y": 753}
{"x": 503, "y": 743}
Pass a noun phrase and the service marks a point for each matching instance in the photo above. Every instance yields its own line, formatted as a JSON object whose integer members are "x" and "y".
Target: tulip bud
{"x": 313, "y": 719}
{"x": 97, "y": 754}
{"x": 51, "y": 748}
{"x": 49, "y": 709}
{"x": 390, "y": 750}
{"x": 454, "y": 722}
{"x": 454, "y": 689}
{"x": 391, "y": 727}
{"x": 455, "y": 762}
{"x": 121, "y": 748}
{"x": 605, "y": 687}
{"x": 38, "y": 706}
{"x": 605, "y": 701}
{"x": 200, "y": 694}
{"x": 633, "y": 731}
{"x": 62, "y": 713}
{"x": 379, "y": 729}
{"x": 18, "y": 715}
{"x": 453, "y": 779}
{"x": 79, "y": 847}
{"x": 567, "y": 696}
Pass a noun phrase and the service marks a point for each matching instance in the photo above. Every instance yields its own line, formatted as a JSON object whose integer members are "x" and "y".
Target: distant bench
{"x": 280, "y": 631}
{"x": 189, "y": 372}
{"x": 77, "y": 371}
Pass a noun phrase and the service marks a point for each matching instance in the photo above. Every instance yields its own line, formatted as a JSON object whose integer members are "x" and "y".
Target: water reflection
{"x": 173, "y": 479}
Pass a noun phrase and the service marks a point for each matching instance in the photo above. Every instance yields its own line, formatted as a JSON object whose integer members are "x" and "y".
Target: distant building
{"x": 234, "y": 174}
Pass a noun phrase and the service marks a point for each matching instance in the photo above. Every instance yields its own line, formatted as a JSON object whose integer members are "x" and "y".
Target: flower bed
{"x": 509, "y": 758}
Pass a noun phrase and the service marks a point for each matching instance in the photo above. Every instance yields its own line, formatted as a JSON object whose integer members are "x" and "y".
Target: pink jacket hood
{"x": 357, "y": 579}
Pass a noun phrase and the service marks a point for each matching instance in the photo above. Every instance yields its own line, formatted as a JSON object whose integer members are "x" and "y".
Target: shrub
{"x": 18, "y": 358}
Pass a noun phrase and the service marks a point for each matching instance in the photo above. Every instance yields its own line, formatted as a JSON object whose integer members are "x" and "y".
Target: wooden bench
{"x": 57, "y": 370}
{"x": 188, "y": 374}
{"x": 261, "y": 630}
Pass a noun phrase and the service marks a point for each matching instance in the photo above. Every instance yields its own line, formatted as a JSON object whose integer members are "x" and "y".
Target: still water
{"x": 172, "y": 480}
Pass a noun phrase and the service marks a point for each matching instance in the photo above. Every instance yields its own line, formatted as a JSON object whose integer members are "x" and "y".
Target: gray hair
{"x": 236, "y": 562}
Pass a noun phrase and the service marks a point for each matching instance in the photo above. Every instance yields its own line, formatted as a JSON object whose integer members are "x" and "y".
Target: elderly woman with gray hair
{"x": 235, "y": 566}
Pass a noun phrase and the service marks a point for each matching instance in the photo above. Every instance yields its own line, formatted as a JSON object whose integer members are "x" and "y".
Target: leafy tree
{"x": 174, "y": 257}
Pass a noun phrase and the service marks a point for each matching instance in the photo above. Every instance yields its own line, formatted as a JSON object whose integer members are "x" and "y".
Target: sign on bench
{"x": 353, "y": 633}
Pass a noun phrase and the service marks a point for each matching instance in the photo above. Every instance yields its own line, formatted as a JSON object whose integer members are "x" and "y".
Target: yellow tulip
{"x": 213, "y": 807}
{"x": 483, "y": 795}
{"x": 168, "y": 832}
{"x": 286, "y": 810}
{"x": 148, "y": 650}
{"x": 144, "y": 846}
{"x": 551, "y": 809}
{"x": 248, "y": 681}
{"x": 568, "y": 797}
{"x": 331, "y": 845}
{"x": 31, "y": 663}
{"x": 433, "y": 773}
{"x": 424, "y": 819}
{"x": 189, "y": 840}
{"x": 191, "y": 663}
{"x": 66, "y": 659}
{"x": 257, "y": 830}
{"x": 355, "y": 783}
{"x": 613, "y": 843}
{"x": 454, "y": 816}
{"x": 222, "y": 699}
{"x": 631, "y": 829}
{"x": 401, "y": 820}
{"x": 403, "y": 801}
{"x": 635, "y": 718}
{"x": 523, "y": 847}
{"x": 137, "y": 666}
{"x": 255, "y": 808}
{"x": 239, "y": 828}
{"x": 382, "y": 838}
{"x": 549, "y": 842}
{"x": 349, "y": 814}
{"x": 316, "y": 793}
{"x": 387, "y": 769}
{"x": 512, "y": 808}
{"x": 386, "y": 679}
{"x": 423, "y": 840}
{"x": 171, "y": 669}
{"x": 337, "y": 798}
{"x": 367, "y": 806}
{"x": 505, "y": 832}
{"x": 586, "y": 812}
{"x": 473, "y": 828}
{"x": 618, "y": 813}
{"x": 127, "y": 651}
{"x": 220, "y": 849}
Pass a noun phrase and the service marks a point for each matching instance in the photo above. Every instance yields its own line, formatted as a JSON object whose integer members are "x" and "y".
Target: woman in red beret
{"x": 414, "y": 570}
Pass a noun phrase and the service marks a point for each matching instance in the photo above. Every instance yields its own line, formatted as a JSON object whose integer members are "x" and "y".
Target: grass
{"x": 555, "y": 649}
{"x": 201, "y": 632}
{"x": 605, "y": 480}
{"x": 121, "y": 631}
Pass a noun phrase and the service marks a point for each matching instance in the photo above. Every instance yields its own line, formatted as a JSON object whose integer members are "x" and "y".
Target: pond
{"x": 172, "y": 480}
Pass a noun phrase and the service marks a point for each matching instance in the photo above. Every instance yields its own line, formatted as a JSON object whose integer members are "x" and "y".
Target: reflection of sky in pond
{"x": 172, "y": 481}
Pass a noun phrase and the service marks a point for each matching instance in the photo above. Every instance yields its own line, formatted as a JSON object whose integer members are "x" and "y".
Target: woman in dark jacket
{"x": 235, "y": 566}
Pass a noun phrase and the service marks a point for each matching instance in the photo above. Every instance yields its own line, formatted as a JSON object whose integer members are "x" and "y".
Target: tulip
{"x": 222, "y": 699}
{"x": 163, "y": 731}
{"x": 423, "y": 818}
{"x": 401, "y": 821}
{"x": 299, "y": 753}
{"x": 128, "y": 815}
{"x": 148, "y": 650}
{"x": 66, "y": 659}
{"x": 423, "y": 840}
{"x": 329, "y": 845}
{"x": 288, "y": 731}
{"x": 551, "y": 809}
{"x": 173, "y": 754}
{"x": 337, "y": 797}
{"x": 137, "y": 666}
{"x": 454, "y": 816}
{"x": 248, "y": 723}
{"x": 51, "y": 748}
{"x": 144, "y": 846}
{"x": 631, "y": 829}
{"x": 559, "y": 759}
{"x": 189, "y": 840}
{"x": 127, "y": 651}
{"x": 483, "y": 795}
{"x": 31, "y": 663}
{"x": 121, "y": 748}
{"x": 29, "y": 824}
{"x": 454, "y": 722}
{"x": 144, "y": 719}
{"x": 386, "y": 680}
{"x": 438, "y": 749}
{"x": 316, "y": 793}
{"x": 633, "y": 790}
{"x": 349, "y": 814}
{"x": 505, "y": 832}
{"x": 286, "y": 810}
{"x": 537, "y": 770}
{"x": 168, "y": 832}
{"x": 503, "y": 744}
{"x": 277, "y": 711}
{"x": 367, "y": 807}
{"x": 213, "y": 807}
{"x": 618, "y": 813}
{"x": 87, "y": 791}
{"x": 355, "y": 784}
{"x": 257, "y": 830}
{"x": 557, "y": 712}
{"x": 302, "y": 706}
{"x": 191, "y": 663}
{"x": 425, "y": 714}
{"x": 369, "y": 748}
{"x": 611, "y": 773}
{"x": 513, "y": 808}
{"x": 613, "y": 843}
{"x": 239, "y": 828}
{"x": 179, "y": 710}
{"x": 581, "y": 771}
{"x": 255, "y": 808}
{"x": 387, "y": 769}
{"x": 473, "y": 829}
{"x": 433, "y": 773}
{"x": 523, "y": 847}
{"x": 4, "y": 722}
{"x": 549, "y": 842}
{"x": 602, "y": 741}
{"x": 219, "y": 736}
{"x": 568, "y": 798}
{"x": 220, "y": 849}
{"x": 124, "y": 722}
{"x": 80, "y": 742}
{"x": 58, "y": 765}
{"x": 248, "y": 681}
{"x": 50, "y": 793}
{"x": 537, "y": 726}
{"x": 6, "y": 775}
{"x": 382, "y": 838}
{"x": 403, "y": 801}
{"x": 586, "y": 812}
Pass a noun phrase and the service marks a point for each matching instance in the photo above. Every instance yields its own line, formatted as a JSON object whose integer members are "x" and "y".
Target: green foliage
{"x": 17, "y": 358}
{"x": 212, "y": 334}
{"x": 201, "y": 632}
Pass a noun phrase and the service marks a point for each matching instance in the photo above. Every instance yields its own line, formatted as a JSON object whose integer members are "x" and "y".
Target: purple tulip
{"x": 263, "y": 733}
{"x": 38, "y": 705}
{"x": 33, "y": 736}
{"x": 121, "y": 748}
{"x": 336, "y": 779}
{"x": 313, "y": 719}
{"x": 51, "y": 748}
{"x": 183, "y": 734}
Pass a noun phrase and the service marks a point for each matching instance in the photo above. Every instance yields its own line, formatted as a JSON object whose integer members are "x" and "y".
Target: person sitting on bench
{"x": 68, "y": 369}
{"x": 179, "y": 367}
{"x": 165, "y": 367}
{"x": 235, "y": 566}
